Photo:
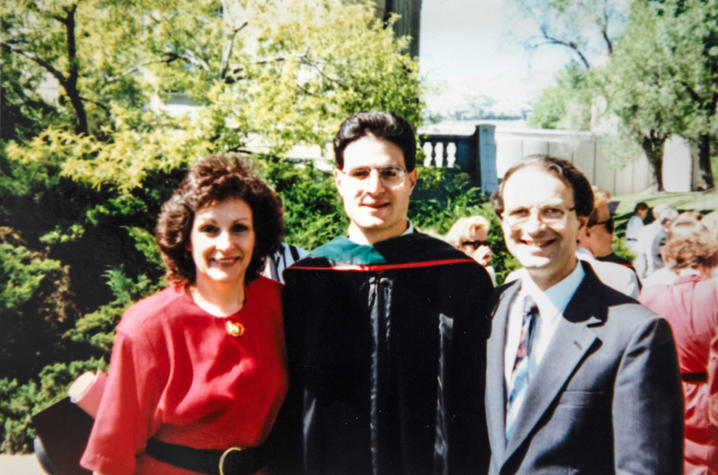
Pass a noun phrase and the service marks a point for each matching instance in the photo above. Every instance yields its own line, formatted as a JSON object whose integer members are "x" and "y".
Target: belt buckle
{"x": 224, "y": 456}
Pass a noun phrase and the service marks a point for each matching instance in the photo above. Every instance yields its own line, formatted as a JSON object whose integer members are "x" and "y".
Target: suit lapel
{"x": 495, "y": 390}
{"x": 573, "y": 338}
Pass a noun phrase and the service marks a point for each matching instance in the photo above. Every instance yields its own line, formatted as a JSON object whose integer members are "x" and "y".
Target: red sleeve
{"x": 713, "y": 382}
{"x": 125, "y": 418}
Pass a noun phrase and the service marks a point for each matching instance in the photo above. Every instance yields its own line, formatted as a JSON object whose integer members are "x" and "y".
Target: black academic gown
{"x": 387, "y": 355}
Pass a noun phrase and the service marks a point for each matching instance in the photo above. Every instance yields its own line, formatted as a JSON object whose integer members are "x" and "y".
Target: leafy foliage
{"x": 91, "y": 338}
{"x": 664, "y": 76}
{"x": 95, "y": 331}
{"x": 19, "y": 401}
{"x": 313, "y": 212}
{"x": 265, "y": 75}
{"x": 35, "y": 307}
{"x": 568, "y": 103}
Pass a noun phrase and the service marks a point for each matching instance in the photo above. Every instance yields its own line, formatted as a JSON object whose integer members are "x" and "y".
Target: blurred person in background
{"x": 710, "y": 221}
{"x": 635, "y": 224}
{"x": 601, "y": 228}
{"x": 594, "y": 237}
{"x": 470, "y": 235}
{"x": 287, "y": 255}
{"x": 684, "y": 224}
{"x": 690, "y": 304}
{"x": 651, "y": 239}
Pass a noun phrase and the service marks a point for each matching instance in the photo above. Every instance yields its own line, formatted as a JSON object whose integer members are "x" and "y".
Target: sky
{"x": 474, "y": 46}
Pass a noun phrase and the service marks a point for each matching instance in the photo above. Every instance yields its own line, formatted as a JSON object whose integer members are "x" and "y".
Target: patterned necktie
{"x": 520, "y": 372}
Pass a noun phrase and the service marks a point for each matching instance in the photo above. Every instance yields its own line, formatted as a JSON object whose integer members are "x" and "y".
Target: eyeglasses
{"x": 389, "y": 176}
{"x": 547, "y": 214}
{"x": 475, "y": 244}
{"x": 609, "y": 224}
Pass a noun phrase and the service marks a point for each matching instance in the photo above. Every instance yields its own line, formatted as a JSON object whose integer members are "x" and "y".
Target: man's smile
{"x": 536, "y": 242}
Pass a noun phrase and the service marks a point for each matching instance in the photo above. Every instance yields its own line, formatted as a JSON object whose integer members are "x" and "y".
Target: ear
{"x": 583, "y": 229}
{"x": 337, "y": 178}
{"x": 413, "y": 177}
{"x": 583, "y": 233}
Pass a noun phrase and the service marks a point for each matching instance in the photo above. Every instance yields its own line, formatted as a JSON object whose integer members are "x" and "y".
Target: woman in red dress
{"x": 198, "y": 370}
{"x": 690, "y": 304}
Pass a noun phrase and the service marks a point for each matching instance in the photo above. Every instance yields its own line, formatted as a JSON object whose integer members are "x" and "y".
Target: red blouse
{"x": 178, "y": 375}
{"x": 690, "y": 305}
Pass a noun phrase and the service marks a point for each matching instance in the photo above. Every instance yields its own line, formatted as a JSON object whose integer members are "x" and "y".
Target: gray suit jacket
{"x": 607, "y": 395}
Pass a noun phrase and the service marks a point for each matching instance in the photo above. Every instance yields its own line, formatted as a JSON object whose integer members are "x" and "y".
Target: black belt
{"x": 233, "y": 461}
{"x": 701, "y": 377}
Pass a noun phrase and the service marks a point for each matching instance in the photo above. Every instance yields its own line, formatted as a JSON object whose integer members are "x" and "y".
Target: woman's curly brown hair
{"x": 214, "y": 179}
{"x": 689, "y": 250}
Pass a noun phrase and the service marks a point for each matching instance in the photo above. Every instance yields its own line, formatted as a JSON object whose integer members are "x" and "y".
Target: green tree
{"x": 640, "y": 90}
{"x": 690, "y": 33}
{"x": 35, "y": 307}
{"x": 568, "y": 103}
{"x": 587, "y": 29}
{"x": 663, "y": 78}
{"x": 265, "y": 75}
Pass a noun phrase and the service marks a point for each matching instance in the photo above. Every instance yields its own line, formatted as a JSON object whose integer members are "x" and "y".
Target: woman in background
{"x": 470, "y": 235}
{"x": 198, "y": 370}
{"x": 690, "y": 304}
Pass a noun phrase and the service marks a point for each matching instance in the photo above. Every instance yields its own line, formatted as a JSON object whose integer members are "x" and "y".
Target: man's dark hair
{"x": 211, "y": 180}
{"x": 383, "y": 125}
{"x": 640, "y": 206}
{"x": 563, "y": 169}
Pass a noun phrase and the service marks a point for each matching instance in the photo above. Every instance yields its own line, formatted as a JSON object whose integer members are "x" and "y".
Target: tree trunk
{"x": 653, "y": 148}
{"x": 704, "y": 160}
{"x": 70, "y": 85}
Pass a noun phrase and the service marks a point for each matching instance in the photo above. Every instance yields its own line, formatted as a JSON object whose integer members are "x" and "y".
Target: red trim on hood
{"x": 377, "y": 267}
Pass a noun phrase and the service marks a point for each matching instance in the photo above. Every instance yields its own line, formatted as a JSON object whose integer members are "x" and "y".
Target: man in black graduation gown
{"x": 386, "y": 328}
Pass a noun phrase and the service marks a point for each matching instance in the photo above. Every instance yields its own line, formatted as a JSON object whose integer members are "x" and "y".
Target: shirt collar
{"x": 409, "y": 230}
{"x": 553, "y": 301}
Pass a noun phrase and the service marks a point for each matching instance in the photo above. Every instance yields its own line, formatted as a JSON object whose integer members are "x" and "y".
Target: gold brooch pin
{"x": 234, "y": 329}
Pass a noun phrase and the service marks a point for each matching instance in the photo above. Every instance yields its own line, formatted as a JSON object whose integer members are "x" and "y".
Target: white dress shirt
{"x": 647, "y": 246}
{"x": 551, "y": 304}
{"x": 633, "y": 229}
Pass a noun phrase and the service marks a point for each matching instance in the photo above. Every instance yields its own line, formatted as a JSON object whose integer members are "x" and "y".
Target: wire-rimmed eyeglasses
{"x": 546, "y": 214}
{"x": 389, "y": 176}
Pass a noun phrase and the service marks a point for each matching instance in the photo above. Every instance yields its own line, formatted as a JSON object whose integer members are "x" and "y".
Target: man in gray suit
{"x": 580, "y": 378}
